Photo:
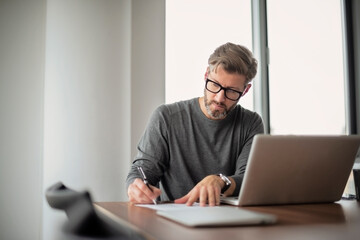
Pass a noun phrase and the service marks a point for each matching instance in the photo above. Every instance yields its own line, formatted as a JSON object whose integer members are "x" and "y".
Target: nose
{"x": 220, "y": 96}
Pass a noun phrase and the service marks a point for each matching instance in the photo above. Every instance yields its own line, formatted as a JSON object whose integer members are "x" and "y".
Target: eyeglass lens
{"x": 215, "y": 88}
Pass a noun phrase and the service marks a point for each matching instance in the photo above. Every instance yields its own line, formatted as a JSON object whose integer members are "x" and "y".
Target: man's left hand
{"x": 206, "y": 191}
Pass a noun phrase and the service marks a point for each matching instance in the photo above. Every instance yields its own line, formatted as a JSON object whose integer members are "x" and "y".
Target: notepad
{"x": 169, "y": 206}
{"x": 217, "y": 216}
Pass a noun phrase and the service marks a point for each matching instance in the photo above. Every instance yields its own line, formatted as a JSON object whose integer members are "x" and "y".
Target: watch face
{"x": 225, "y": 179}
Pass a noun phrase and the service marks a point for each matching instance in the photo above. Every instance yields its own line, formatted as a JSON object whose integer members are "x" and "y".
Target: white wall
{"x": 73, "y": 101}
{"x": 22, "y": 44}
{"x": 147, "y": 63}
{"x": 87, "y": 99}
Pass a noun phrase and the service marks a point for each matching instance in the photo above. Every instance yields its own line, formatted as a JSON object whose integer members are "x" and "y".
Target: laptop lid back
{"x": 293, "y": 169}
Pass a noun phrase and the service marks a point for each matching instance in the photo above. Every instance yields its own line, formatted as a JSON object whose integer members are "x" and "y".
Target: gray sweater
{"x": 181, "y": 146}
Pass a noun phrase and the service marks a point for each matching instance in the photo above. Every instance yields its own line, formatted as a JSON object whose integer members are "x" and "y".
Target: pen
{"x": 143, "y": 176}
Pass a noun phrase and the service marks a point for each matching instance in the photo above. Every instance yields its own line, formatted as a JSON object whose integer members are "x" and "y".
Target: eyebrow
{"x": 232, "y": 88}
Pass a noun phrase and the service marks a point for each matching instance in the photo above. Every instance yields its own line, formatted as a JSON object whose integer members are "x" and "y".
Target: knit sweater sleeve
{"x": 153, "y": 149}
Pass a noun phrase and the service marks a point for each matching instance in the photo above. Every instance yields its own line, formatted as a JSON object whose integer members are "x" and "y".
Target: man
{"x": 195, "y": 150}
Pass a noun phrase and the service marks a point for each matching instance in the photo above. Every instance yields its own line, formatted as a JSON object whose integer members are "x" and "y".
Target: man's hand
{"x": 138, "y": 192}
{"x": 207, "y": 191}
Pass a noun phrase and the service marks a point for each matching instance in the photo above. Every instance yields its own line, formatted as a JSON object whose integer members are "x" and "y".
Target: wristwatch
{"x": 226, "y": 181}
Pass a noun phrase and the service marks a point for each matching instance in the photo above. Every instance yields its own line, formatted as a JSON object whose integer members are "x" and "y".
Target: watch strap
{"x": 226, "y": 181}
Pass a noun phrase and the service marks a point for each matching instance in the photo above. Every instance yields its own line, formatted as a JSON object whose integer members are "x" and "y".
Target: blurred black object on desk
{"x": 84, "y": 222}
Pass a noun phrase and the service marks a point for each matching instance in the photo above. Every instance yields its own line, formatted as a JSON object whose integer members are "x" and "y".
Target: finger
{"x": 182, "y": 200}
{"x": 156, "y": 191}
{"x": 211, "y": 196}
{"x": 193, "y": 196}
{"x": 203, "y": 196}
{"x": 149, "y": 192}
{"x": 217, "y": 196}
{"x": 136, "y": 195}
{"x": 138, "y": 192}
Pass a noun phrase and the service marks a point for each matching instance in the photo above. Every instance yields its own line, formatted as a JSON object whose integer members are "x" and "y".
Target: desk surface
{"x": 340, "y": 220}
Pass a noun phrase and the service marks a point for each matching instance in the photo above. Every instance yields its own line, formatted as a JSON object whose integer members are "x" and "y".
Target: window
{"x": 193, "y": 30}
{"x": 306, "y": 81}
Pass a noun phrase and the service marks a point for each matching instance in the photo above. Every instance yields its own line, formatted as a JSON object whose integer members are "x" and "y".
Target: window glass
{"x": 193, "y": 30}
{"x": 306, "y": 67}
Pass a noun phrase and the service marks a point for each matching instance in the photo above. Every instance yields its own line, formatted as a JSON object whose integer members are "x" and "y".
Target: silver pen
{"x": 143, "y": 176}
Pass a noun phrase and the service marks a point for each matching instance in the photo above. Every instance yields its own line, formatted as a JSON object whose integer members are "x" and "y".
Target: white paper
{"x": 169, "y": 206}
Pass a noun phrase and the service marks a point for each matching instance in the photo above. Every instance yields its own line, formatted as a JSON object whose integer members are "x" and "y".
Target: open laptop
{"x": 292, "y": 169}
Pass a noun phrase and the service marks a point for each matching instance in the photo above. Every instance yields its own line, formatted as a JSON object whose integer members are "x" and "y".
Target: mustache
{"x": 217, "y": 103}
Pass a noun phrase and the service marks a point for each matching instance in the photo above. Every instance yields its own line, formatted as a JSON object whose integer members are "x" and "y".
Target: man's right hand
{"x": 138, "y": 192}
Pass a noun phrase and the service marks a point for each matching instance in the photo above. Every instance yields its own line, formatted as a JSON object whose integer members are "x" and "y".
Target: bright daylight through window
{"x": 306, "y": 76}
{"x": 193, "y": 30}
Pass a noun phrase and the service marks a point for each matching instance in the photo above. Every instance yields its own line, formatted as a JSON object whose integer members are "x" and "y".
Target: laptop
{"x": 293, "y": 169}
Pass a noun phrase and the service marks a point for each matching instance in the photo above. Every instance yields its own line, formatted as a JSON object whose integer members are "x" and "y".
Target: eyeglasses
{"x": 214, "y": 87}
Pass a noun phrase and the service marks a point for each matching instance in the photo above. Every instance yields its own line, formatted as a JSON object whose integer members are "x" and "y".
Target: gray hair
{"x": 234, "y": 59}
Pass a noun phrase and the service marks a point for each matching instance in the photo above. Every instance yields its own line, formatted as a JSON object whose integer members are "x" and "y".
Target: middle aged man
{"x": 195, "y": 150}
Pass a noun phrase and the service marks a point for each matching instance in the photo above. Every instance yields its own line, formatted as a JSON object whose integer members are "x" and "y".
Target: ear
{"x": 206, "y": 73}
{"x": 248, "y": 86}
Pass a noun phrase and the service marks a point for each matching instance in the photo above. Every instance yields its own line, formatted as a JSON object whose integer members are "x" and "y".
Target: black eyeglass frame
{"x": 221, "y": 88}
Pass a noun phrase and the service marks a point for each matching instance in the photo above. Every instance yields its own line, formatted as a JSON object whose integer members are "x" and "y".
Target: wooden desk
{"x": 340, "y": 220}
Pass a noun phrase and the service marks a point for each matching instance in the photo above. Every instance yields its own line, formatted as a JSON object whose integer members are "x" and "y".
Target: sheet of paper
{"x": 169, "y": 206}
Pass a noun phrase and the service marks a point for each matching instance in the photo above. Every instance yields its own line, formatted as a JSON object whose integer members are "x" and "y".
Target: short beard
{"x": 216, "y": 114}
